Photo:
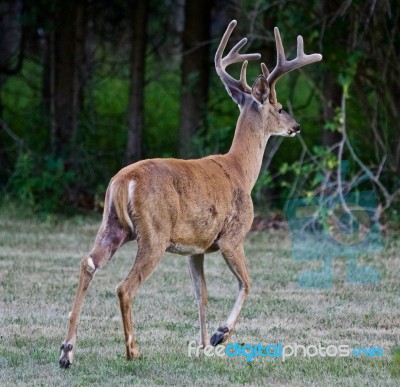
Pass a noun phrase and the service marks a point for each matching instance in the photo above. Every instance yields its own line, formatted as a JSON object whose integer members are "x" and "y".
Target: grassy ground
{"x": 39, "y": 264}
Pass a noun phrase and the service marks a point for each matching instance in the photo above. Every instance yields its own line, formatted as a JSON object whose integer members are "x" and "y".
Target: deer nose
{"x": 296, "y": 128}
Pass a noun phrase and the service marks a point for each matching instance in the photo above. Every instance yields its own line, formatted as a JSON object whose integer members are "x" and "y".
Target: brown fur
{"x": 169, "y": 191}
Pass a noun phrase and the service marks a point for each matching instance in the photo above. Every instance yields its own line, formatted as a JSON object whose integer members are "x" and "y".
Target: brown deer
{"x": 192, "y": 207}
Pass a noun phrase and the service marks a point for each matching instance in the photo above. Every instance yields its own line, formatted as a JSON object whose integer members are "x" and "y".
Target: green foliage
{"x": 41, "y": 183}
{"x": 349, "y": 70}
{"x": 213, "y": 141}
{"x": 298, "y": 179}
{"x": 23, "y": 111}
{"x": 353, "y": 56}
{"x": 335, "y": 124}
{"x": 161, "y": 112}
{"x": 264, "y": 181}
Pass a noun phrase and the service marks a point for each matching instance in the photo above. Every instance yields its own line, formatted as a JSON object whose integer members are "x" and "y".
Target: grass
{"x": 39, "y": 263}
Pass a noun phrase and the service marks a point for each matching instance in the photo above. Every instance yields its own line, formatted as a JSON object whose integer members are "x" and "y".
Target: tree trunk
{"x": 11, "y": 57}
{"x": 67, "y": 54}
{"x": 134, "y": 146}
{"x": 3, "y": 155}
{"x": 336, "y": 31}
{"x": 194, "y": 71}
{"x": 332, "y": 101}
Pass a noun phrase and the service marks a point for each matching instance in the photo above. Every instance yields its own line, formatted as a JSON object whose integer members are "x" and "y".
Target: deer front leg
{"x": 236, "y": 261}
{"x": 87, "y": 272}
{"x": 196, "y": 263}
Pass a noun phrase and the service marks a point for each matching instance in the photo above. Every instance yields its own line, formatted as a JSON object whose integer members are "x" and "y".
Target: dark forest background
{"x": 87, "y": 87}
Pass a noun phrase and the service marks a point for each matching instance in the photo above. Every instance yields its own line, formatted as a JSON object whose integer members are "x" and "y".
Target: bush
{"x": 41, "y": 183}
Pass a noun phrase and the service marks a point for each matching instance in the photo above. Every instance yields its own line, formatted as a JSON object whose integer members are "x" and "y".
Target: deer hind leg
{"x": 237, "y": 263}
{"x": 196, "y": 263}
{"x": 147, "y": 258}
{"x": 109, "y": 238}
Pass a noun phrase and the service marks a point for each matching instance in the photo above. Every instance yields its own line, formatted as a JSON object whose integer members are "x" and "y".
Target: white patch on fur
{"x": 177, "y": 248}
{"x": 110, "y": 199}
{"x": 237, "y": 307}
{"x": 131, "y": 190}
{"x": 130, "y": 338}
{"x": 91, "y": 264}
{"x": 70, "y": 314}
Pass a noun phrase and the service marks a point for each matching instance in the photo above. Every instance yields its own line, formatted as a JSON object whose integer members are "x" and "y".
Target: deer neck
{"x": 248, "y": 147}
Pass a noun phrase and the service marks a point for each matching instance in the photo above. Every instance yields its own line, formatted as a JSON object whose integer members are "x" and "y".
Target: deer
{"x": 192, "y": 207}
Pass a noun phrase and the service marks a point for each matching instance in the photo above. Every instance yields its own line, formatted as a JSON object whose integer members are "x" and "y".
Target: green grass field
{"x": 39, "y": 263}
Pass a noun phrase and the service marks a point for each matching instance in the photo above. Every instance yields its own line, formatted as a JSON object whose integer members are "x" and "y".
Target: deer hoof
{"x": 220, "y": 336}
{"x": 133, "y": 354}
{"x": 64, "y": 362}
{"x": 66, "y": 356}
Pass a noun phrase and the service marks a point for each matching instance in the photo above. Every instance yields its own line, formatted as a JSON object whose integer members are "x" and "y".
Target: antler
{"x": 233, "y": 57}
{"x": 283, "y": 66}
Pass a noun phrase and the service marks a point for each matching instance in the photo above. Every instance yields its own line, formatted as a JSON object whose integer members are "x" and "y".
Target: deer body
{"x": 170, "y": 198}
{"x": 190, "y": 207}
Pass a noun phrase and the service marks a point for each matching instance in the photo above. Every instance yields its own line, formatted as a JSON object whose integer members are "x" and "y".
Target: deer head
{"x": 260, "y": 101}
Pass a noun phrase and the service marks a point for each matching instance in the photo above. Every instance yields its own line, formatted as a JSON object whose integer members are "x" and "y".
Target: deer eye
{"x": 280, "y": 111}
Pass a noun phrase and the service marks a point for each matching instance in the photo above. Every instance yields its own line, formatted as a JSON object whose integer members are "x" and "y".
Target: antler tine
{"x": 283, "y": 66}
{"x": 223, "y": 42}
{"x": 233, "y": 57}
{"x": 242, "y": 80}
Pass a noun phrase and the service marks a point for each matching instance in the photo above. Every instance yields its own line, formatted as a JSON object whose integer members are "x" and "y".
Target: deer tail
{"x": 121, "y": 191}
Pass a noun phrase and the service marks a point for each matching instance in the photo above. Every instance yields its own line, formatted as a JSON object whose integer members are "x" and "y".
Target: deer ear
{"x": 260, "y": 90}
